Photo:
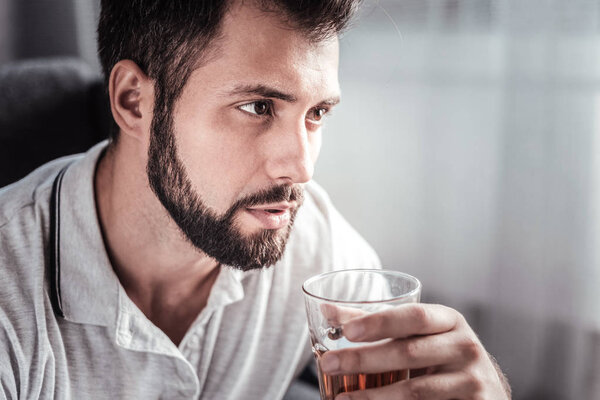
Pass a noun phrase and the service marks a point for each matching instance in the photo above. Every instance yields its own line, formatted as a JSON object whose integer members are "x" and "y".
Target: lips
{"x": 272, "y": 216}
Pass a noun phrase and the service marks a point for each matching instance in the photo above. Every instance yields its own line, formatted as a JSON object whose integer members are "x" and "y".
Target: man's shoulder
{"x": 24, "y": 227}
{"x": 31, "y": 191}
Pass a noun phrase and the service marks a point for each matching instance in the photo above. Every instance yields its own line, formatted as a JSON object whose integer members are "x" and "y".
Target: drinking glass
{"x": 333, "y": 298}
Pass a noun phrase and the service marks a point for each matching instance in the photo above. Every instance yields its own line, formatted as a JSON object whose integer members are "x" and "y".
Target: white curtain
{"x": 467, "y": 151}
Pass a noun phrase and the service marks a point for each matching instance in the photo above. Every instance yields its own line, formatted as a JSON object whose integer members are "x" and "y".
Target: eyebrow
{"x": 269, "y": 92}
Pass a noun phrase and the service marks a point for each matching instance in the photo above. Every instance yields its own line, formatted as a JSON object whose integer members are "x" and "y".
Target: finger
{"x": 429, "y": 387}
{"x": 338, "y": 315}
{"x": 412, "y": 353}
{"x": 401, "y": 322}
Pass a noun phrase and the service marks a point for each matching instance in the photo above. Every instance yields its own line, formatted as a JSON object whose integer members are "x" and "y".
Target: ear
{"x": 131, "y": 98}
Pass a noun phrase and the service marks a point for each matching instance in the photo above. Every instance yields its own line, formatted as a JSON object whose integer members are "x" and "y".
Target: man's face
{"x": 243, "y": 138}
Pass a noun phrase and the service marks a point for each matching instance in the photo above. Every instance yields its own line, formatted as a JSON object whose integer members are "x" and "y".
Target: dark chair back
{"x": 48, "y": 108}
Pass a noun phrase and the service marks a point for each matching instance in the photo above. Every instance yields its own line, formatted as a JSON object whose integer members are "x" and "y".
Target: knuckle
{"x": 478, "y": 388}
{"x": 408, "y": 350}
{"x": 414, "y": 391}
{"x": 420, "y": 315}
{"x": 470, "y": 348}
{"x": 476, "y": 385}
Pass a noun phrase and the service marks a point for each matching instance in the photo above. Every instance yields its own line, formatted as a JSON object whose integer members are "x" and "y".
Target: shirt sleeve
{"x": 14, "y": 368}
{"x": 8, "y": 386}
{"x": 6, "y": 392}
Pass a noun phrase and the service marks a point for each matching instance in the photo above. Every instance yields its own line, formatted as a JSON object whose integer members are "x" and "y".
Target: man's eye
{"x": 262, "y": 107}
{"x": 317, "y": 114}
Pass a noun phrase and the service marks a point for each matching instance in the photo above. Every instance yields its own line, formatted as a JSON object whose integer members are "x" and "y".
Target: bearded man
{"x": 167, "y": 262}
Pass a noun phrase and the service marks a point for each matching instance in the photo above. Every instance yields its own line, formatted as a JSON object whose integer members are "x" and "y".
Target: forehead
{"x": 257, "y": 47}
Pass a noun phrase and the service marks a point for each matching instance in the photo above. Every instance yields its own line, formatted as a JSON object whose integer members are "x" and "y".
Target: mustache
{"x": 275, "y": 194}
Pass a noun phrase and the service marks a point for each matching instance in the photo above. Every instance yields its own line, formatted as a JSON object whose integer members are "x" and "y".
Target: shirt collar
{"x": 87, "y": 283}
{"x": 88, "y": 286}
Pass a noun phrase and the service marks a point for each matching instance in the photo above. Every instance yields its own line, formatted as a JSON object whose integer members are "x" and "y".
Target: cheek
{"x": 219, "y": 158}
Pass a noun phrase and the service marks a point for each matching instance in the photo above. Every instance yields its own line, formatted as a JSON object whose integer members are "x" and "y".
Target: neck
{"x": 162, "y": 273}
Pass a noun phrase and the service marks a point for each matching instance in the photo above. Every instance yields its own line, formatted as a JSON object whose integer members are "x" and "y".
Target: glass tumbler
{"x": 333, "y": 298}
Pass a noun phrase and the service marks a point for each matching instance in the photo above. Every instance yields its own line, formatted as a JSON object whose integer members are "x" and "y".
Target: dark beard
{"x": 218, "y": 237}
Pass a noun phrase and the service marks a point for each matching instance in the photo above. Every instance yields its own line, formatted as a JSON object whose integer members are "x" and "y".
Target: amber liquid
{"x": 332, "y": 385}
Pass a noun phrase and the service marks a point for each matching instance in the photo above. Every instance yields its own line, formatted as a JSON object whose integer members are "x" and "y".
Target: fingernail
{"x": 353, "y": 331}
{"x": 330, "y": 363}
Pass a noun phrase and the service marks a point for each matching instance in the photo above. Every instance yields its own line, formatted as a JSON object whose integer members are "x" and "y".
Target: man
{"x": 164, "y": 263}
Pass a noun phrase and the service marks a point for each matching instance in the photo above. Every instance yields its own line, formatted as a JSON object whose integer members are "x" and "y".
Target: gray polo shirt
{"x": 68, "y": 329}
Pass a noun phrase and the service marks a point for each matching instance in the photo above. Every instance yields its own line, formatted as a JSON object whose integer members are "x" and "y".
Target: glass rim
{"x": 417, "y": 288}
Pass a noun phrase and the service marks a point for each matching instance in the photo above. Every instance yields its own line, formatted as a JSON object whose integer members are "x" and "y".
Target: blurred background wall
{"x": 467, "y": 151}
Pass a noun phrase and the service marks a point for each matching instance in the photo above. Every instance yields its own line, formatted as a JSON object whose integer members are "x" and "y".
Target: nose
{"x": 289, "y": 153}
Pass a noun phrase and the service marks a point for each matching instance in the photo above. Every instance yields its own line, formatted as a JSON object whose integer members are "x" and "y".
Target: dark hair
{"x": 168, "y": 39}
